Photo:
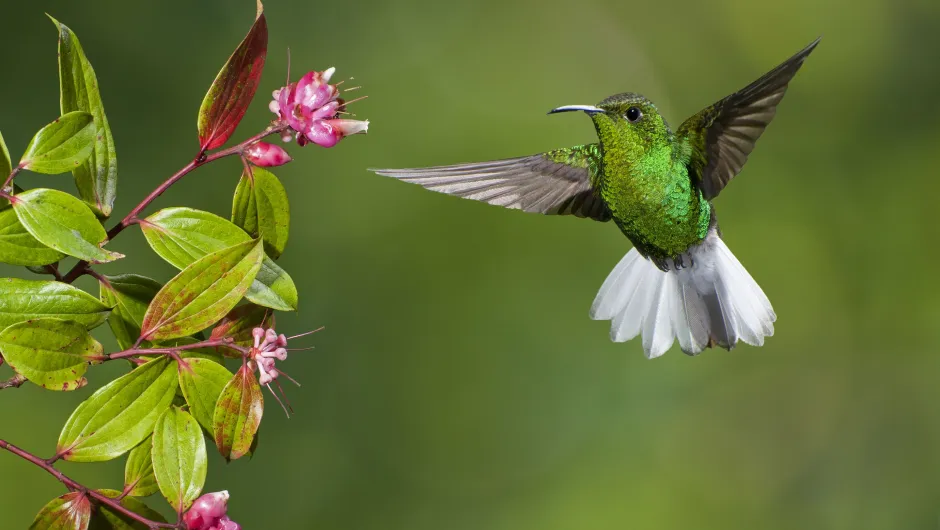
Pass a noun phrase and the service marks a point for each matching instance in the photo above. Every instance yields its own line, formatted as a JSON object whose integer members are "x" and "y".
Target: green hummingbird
{"x": 680, "y": 280}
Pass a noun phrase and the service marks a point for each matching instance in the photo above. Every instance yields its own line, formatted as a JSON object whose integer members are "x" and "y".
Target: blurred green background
{"x": 459, "y": 383}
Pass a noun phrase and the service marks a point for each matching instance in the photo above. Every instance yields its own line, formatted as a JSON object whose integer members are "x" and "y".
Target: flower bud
{"x": 207, "y": 511}
{"x": 263, "y": 154}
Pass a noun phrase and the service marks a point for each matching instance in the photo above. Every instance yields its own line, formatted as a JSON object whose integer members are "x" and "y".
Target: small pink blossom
{"x": 311, "y": 108}
{"x": 263, "y": 154}
{"x": 209, "y": 513}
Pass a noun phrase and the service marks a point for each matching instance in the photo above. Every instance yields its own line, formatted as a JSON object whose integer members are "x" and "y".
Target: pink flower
{"x": 208, "y": 513}
{"x": 311, "y": 107}
{"x": 263, "y": 154}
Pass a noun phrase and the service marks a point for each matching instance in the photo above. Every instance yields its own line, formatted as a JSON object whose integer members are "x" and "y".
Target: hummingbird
{"x": 679, "y": 281}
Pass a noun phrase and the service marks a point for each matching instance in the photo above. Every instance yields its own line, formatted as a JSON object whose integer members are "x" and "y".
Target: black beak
{"x": 590, "y": 109}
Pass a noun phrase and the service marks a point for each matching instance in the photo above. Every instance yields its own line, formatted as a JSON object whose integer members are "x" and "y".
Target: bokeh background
{"x": 460, "y": 383}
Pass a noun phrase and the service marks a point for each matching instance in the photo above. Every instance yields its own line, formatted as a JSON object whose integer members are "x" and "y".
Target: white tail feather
{"x": 711, "y": 301}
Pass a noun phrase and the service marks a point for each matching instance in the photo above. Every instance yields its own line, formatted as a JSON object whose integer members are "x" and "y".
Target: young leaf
{"x": 240, "y": 321}
{"x": 71, "y": 511}
{"x": 234, "y": 87}
{"x": 62, "y": 145}
{"x": 202, "y": 381}
{"x": 179, "y": 458}
{"x": 6, "y": 166}
{"x": 120, "y": 414}
{"x": 183, "y": 235}
{"x": 49, "y": 352}
{"x": 105, "y": 518}
{"x": 138, "y": 471}
{"x": 129, "y": 295}
{"x": 62, "y": 222}
{"x": 96, "y": 178}
{"x": 260, "y": 207}
{"x": 203, "y": 292}
{"x": 22, "y": 300}
{"x": 238, "y": 414}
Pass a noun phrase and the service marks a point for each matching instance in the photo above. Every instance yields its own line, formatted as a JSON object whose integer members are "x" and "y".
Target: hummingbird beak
{"x": 590, "y": 109}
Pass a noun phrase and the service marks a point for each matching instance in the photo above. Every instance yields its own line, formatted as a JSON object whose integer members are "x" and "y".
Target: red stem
{"x": 202, "y": 159}
{"x": 75, "y": 486}
{"x": 211, "y": 343}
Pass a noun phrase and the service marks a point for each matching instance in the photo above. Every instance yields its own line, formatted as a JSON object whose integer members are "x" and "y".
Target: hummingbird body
{"x": 680, "y": 281}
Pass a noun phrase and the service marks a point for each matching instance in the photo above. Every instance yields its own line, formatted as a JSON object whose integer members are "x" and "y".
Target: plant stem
{"x": 75, "y": 486}
{"x": 202, "y": 159}
{"x": 9, "y": 179}
{"x": 211, "y": 343}
{"x": 14, "y": 382}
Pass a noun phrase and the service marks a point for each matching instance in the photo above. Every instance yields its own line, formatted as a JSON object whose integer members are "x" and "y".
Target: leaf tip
{"x": 260, "y": 11}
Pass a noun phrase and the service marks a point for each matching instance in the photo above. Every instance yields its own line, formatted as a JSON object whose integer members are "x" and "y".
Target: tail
{"x": 712, "y": 301}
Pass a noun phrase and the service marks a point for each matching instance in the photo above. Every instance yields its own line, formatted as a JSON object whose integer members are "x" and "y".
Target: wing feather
{"x": 554, "y": 183}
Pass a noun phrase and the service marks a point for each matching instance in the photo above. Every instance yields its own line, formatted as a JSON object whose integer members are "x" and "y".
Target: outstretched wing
{"x": 557, "y": 182}
{"x": 723, "y": 135}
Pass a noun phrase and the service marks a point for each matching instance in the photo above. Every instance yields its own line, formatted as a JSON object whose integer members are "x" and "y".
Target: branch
{"x": 9, "y": 180}
{"x": 202, "y": 159}
{"x": 14, "y": 382}
{"x": 75, "y": 486}
{"x": 225, "y": 342}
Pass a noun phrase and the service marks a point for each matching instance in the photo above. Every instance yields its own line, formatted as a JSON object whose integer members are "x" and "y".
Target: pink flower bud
{"x": 207, "y": 511}
{"x": 281, "y": 341}
{"x": 227, "y": 524}
{"x": 327, "y": 133}
{"x": 263, "y": 154}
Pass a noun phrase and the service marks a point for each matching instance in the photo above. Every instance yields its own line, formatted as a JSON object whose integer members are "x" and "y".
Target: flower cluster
{"x": 208, "y": 513}
{"x": 269, "y": 346}
{"x": 311, "y": 107}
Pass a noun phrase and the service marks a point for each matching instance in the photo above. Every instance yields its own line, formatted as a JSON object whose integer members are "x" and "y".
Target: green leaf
{"x": 6, "y": 166}
{"x": 239, "y": 322}
{"x": 49, "y": 352}
{"x": 22, "y": 300}
{"x": 105, "y": 518}
{"x": 234, "y": 87}
{"x": 61, "y": 146}
{"x": 203, "y": 292}
{"x": 64, "y": 223}
{"x": 120, "y": 414}
{"x": 129, "y": 295}
{"x": 179, "y": 458}
{"x": 71, "y": 511}
{"x": 96, "y": 178}
{"x": 260, "y": 207}
{"x": 183, "y": 235}
{"x": 238, "y": 414}
{"x": 139, "y": 480}
{"x": 18, "y": 246}
{"x": 202, "y": 381}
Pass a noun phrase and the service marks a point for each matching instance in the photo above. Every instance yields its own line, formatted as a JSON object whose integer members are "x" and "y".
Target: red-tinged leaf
{"x": 238, "y": 414}
{"x": 203, "y": 292}
{"x": 233, "y": 89}
{"x": 71, "y": 511}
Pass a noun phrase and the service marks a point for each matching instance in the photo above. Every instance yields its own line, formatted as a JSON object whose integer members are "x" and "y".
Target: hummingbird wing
{"x": 723, "y": 135}
{"x": 557, "y": 182}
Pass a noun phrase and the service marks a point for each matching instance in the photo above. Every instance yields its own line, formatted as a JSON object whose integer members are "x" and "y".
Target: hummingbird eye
{"x": 633, "y": 114}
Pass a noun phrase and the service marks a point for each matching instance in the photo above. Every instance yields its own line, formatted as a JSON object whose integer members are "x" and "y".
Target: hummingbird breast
{"x": 657, "y": 207}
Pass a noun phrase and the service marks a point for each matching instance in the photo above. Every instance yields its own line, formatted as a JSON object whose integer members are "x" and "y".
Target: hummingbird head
{"x": 628, "y": 120}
